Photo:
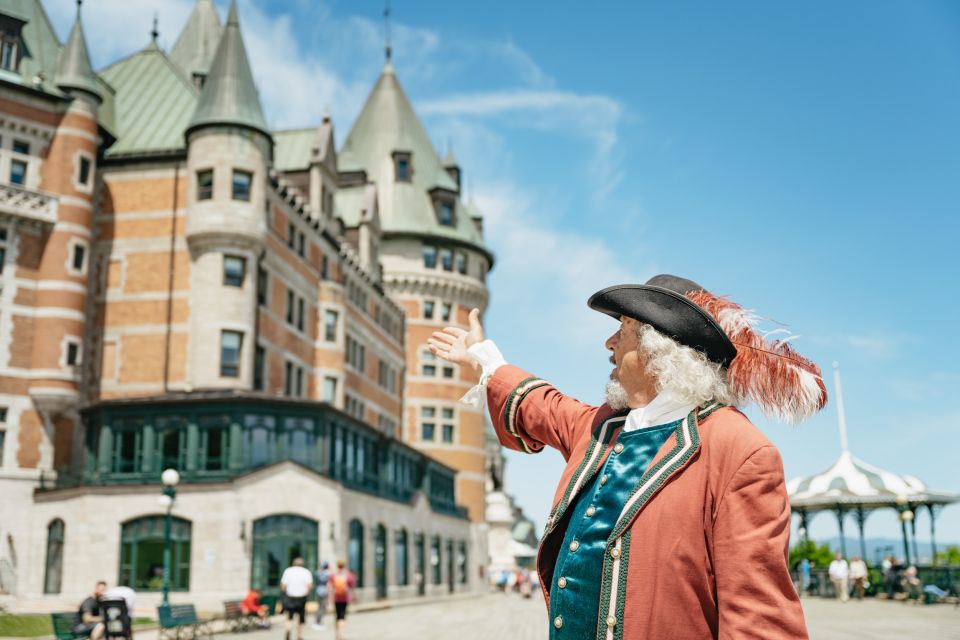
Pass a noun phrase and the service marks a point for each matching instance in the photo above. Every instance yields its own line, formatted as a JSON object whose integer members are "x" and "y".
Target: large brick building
{"x": 183, "y": 287}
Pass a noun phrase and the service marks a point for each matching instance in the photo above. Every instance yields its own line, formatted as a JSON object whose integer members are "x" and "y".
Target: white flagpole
{"x": 841, "y": 416}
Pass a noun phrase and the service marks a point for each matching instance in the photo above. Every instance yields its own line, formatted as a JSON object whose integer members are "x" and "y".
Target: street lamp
{"x": 169, "y": 478}
{"x": 905, "y": 516}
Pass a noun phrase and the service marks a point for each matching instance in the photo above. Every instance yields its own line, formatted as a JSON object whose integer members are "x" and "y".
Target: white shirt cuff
{"x": 490, "y": 359}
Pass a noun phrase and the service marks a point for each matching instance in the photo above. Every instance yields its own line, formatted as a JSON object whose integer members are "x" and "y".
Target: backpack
{"x": 340, "y": 585}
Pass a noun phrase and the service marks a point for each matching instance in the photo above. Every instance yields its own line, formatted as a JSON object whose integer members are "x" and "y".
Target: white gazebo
{"x": 853, "y": 486}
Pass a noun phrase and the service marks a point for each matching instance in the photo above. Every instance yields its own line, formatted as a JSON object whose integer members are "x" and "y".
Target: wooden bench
{"x": 180, "y": 622}
{"x": 234, "y": 617}
{"x": 63, "y": 624}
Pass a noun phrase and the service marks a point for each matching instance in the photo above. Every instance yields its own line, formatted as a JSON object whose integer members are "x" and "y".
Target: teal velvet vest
{"x": 575, "y": 591}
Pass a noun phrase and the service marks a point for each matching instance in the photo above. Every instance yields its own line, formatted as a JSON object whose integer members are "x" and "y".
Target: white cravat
{"x": 662, "y": 409}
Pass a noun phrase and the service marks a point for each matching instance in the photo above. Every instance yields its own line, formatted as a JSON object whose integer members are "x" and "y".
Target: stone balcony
{"x": 28, "y": 205}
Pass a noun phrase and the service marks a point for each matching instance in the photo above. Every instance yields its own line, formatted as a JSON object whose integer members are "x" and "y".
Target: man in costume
{"x": 671, "y": 518}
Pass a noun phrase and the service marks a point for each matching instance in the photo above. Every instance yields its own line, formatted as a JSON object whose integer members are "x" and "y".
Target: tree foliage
{"x": 818, "y": 554}
{"x": 951, "y": 555}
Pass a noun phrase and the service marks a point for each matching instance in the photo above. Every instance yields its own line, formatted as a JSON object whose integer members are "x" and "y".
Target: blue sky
{"x": 802, "y": 158}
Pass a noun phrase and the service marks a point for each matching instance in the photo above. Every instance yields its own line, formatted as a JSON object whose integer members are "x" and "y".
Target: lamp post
{"x": 905, "y": 515}
{"x": 169, "y": 478}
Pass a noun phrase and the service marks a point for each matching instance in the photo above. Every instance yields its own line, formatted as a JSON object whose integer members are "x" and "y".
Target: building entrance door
{"x": 277, "y": 540}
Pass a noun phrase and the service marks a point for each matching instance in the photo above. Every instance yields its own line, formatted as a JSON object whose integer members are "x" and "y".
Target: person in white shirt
{"x": 295, "y": 584}
{"x": 840, "y": 576}
{"x": 858, "y": 576}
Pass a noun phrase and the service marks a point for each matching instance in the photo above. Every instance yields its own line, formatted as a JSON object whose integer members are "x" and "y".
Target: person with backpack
{"x": 323, "y": 577}
{"x": 342, "y": 583}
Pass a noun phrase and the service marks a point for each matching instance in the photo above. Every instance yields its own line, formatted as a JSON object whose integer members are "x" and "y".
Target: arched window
{"x": 355, "y": 550}
{"x": 380, "y": 560}
{"x": 435, "y": 560}
{"x": 141, "y": 554}
{"x": 277, "y": 540}
{"x": 400, "y": 545}
{"x": 53, "y": 572}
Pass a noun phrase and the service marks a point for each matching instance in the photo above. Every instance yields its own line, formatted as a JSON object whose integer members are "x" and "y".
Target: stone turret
{"x": 229, "y": 151}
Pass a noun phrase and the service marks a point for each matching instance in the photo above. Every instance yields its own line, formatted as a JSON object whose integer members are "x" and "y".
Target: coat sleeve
{"x": 528, "y": 412}
{"x": 755, "y": 595}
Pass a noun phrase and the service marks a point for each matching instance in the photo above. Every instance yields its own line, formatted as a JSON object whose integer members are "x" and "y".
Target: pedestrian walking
{"x": 890, "y": 576}
{"x": 323, "y": 576}
{"x": 295, "y": 584}
{"x": 342, "y": 583}
{"x": 804, "y": 576}
{"x": 858, "y": 576}
{"x": 840, "y": 576}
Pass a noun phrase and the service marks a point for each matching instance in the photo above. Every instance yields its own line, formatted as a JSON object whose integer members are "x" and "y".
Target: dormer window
{"x": 403, "y": 166}
{"x": 445, "y": 213}
{"x": 10, "y": 42}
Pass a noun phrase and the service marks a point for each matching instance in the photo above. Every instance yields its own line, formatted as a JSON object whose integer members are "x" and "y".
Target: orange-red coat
{"x": 700, "y": 550}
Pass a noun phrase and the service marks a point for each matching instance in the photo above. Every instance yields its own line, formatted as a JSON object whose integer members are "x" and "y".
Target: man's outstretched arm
{"x": 527, "y": 412}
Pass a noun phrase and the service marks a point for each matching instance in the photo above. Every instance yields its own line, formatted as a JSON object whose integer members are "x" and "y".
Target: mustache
{"x": 613, "y": 360}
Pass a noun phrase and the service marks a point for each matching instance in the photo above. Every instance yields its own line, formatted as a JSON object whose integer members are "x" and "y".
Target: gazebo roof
{"x": 852, "y": 483}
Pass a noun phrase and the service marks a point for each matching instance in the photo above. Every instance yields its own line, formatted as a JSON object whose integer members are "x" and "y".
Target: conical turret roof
{"x": 74, "y": 70}
{"x": 197, "y": 43}
{"x": 229, "y": 95}
{"x": 386, "y": 125}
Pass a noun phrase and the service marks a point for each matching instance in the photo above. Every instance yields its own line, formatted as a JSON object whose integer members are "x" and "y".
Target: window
{"x": 428, "y": 309}
{"x": 330, "y": 320}
{"x": 18, "y": 172}
{"x": 356, "y": 354}
{"x": 448, "y": 371}
{"x": 259, "y": 440}
{"x": 292, "y": 379}
{"x": 9, "y": 48}
{"x": 53, "y": 569}
{"x": 241, "y": 185}
{"x": 234, "y": 271}
{"x": 387, "y": 425}
{"x": 20, "y": 146}
{"x": 400, "y": 553}
{"x": 78, "y": 257}
{"x": 299, "y": 386}
{"x": 461, "y": 262}
{"x": 446, "y": 259}
{"x": 427, "y": 423}
{"x": 301, "y": 243}
{"x": 205, "y": 184}
{"x": 214, "y": 442}
{"x": 300, "y": 313}
{"x": 429, "y": 257}
{"x": 83, "y": 171}
{"x": 170, "y": 450}
{"x": 230, "y": 345}
{"x": 141, "y": 554}
{"x": 447, "y": 427}
{"x": 330, "y": 389}
{"x": 290, "y": 300}
{"x": 445, "y": 309}
{"x": 73, "y": 352}
{"x": 355, "y": 407}
{"x": 435, "y": 559}
{"x": 324, "y": 268}
{"x": 355, "y": 550}
{"x": 126, "y": 452}
{"x": 3, "y": 247}
{"x": 263, "y": 280}
{"x": 445, "y": 213}
{"x": 259, "y": 366}
{"x": 429, "y": 367}
{"x": 404, "y": 170}
{"x": 291, "y": 234}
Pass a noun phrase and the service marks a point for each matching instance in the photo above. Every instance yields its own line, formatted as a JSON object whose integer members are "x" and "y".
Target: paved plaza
{"x": 510, "y": 617}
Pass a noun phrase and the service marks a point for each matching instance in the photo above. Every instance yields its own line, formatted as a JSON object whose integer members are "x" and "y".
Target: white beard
{"x": 616, "y": 397}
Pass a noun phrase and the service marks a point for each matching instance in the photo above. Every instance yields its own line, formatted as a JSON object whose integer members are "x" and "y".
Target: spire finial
{"x": 155, "y": 33}
{"x": 387, "y": 49}
{"x": 841, "y": 415}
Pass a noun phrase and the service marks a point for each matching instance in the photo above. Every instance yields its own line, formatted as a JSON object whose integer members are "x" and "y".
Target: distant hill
{"x": 879, "y": 547}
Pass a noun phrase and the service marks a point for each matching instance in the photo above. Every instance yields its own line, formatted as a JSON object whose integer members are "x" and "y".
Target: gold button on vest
{"x": 611, "y": 621}
{"x": 591, "y": 511}
{"x": 558, "y": 622}
{"x": 615, "y": 553}
{"x": 618, "y": 448}
{"x": 603, "y": 479}
{"x": 562, "y": 583}
{"x": 574, "y": 545}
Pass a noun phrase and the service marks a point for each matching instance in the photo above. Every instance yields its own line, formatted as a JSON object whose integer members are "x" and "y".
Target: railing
{"x": 946, "y": 577}
{"x": 31, "y": 205}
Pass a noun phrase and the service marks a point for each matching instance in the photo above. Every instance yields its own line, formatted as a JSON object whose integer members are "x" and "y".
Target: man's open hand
{"x": 452, "y": 343}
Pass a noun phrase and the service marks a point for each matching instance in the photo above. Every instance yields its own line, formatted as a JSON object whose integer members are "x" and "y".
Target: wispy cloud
{"x": 873, "y": 345}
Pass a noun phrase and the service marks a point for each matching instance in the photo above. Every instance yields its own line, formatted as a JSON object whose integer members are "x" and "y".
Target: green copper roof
{"x": 74, "y": 70}
{"x": 292, "y": 149}
{"x": 388, "y": 124}
{"x": 193, "y": 51}
{"x": 229, "y": 95}
{"x": 154, "y": 103}
{"x": 41, "y": 49}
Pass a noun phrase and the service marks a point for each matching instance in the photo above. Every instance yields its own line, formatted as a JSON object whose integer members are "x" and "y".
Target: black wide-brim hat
{"x": 662, "y": 303}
